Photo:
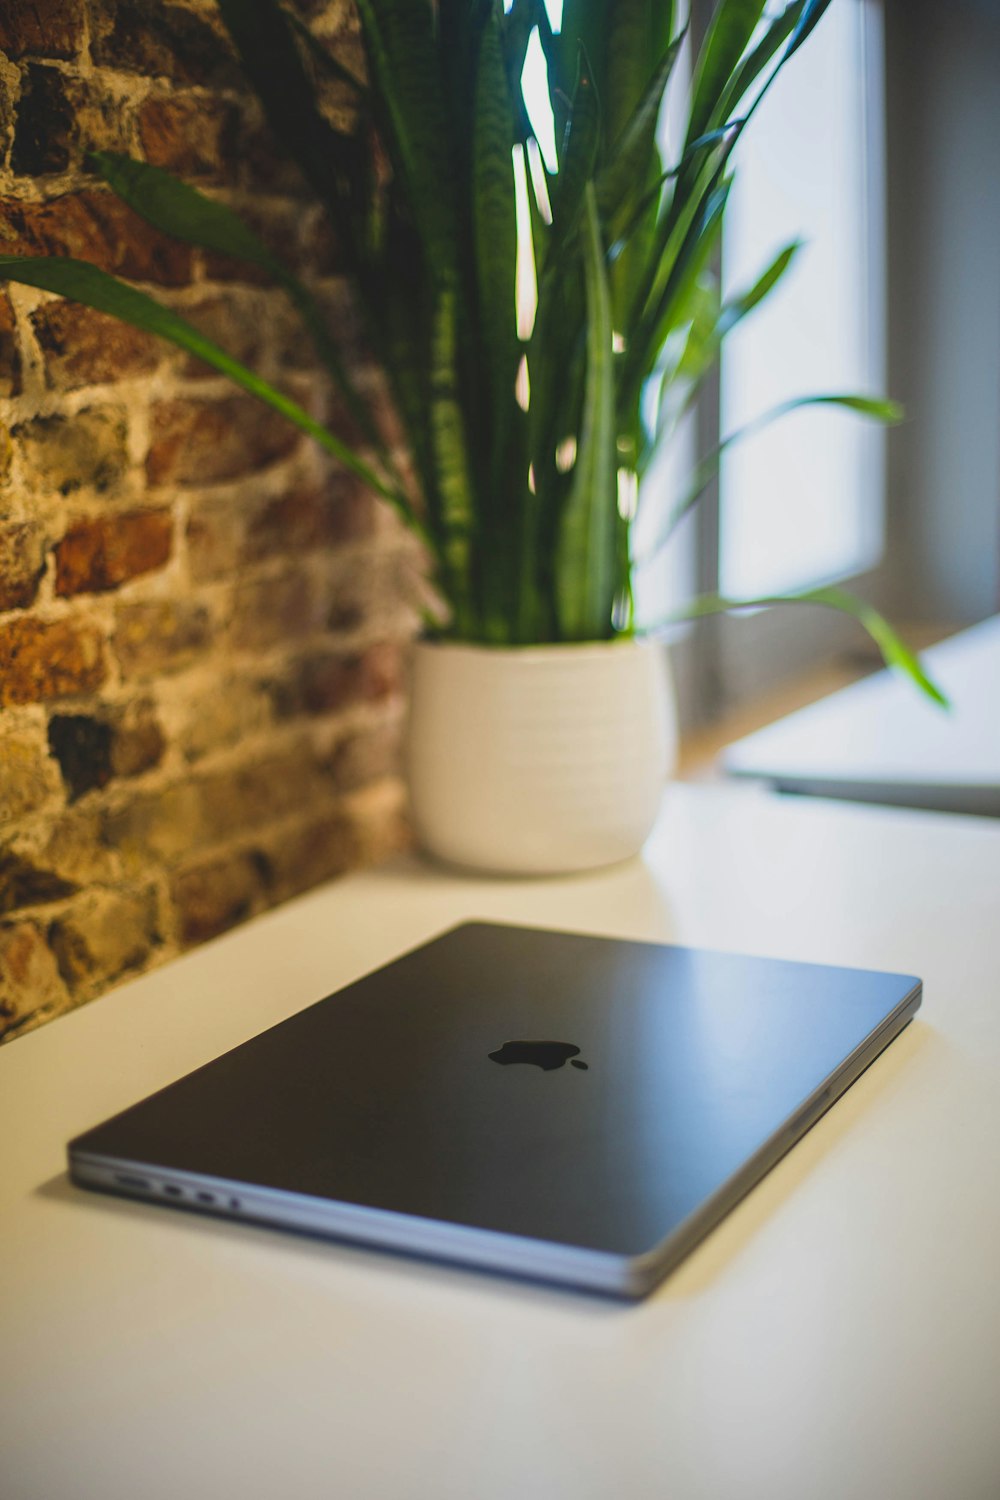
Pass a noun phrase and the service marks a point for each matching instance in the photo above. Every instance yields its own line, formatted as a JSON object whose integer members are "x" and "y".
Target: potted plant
{"x": 542, "y": 326}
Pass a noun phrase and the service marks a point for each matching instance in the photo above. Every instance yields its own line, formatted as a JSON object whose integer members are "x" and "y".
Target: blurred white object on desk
{"x": 880, "y": 740}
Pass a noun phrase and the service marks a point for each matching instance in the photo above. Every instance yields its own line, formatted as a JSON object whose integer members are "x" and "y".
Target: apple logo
{"x": 544, "y": 1055}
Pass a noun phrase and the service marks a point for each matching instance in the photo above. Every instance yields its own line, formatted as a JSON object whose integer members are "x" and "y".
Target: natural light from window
{"x": 801, "y": 501}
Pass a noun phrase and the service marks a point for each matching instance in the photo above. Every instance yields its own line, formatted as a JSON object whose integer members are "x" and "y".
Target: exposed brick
{"x": 309, "y": 852}
{"x": 266, "y": 167}
{"x": 45, "y": 115}
{"x": 216, "y": 895}
{"x": 100, "y": 554}
{"x": 272, "y": 611}
{"x": 214, "y": 537}
{"x": 240, "y": 325}
{"x": 202, "y": 442}
{"x": 105, "y": 935}
{"x": 164, "y": 824}
{"x": 160, "y": 636}
{"x": 60, "y": 117}
{"x": 46, "y": 659}
{"x": 84, "y": 347}
{"x": 94, "y": 225}
{"x": 228, "y": 712}
{"x": 50, "y": 28}
{"x": 91, "y": 748}
{"x": 139, "y": 741}
{"x": 169, "y": 41}
{"x": 278, "y": 225}
{"x": 180, "y": 818}
{"x": 344, "y": 323}
{"x": 82, "y": 746}
{"x": 69, "y": 453}
{"x": 22, "y": 563}
{"x": 378, "y": 813}
{"x": 6, "y": 453}
{"x": 10, "y": 350}
{"x": 74, "y": 847}
{"x": 190, "y": 135}
{"x": 333, "y": 680}
{"x": 27, "y": 881}
{"x": 368, "y": 756}
{"x": 29, "y": 777}
{"x": 31, "y": 988}
{"x": 321, "y": 247}
{"x": 309, "y": 517}
{"x": 266, "y": 789}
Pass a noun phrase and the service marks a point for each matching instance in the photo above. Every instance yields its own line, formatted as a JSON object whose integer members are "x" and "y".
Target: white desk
{"x": 880, "y": 740}
{"x": 838, "y": 1335}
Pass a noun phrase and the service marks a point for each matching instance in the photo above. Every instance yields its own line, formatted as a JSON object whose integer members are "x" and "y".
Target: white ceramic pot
{"x": 531, "y": 760}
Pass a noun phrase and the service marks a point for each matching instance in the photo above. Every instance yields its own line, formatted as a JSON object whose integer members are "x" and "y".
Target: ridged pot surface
{"x": 538, "y": 759}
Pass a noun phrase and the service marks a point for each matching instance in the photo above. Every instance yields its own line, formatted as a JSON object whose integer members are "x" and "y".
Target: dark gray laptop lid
{"x": 400, "y": 1092}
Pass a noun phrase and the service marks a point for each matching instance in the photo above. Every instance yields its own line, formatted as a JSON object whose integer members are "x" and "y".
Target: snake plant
{"x": 542, "y": 323}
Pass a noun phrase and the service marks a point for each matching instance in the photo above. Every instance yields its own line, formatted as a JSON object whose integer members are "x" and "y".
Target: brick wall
{"x": 202, "y": 622}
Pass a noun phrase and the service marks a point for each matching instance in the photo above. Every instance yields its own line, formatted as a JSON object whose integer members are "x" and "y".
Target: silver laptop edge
{"x": 621, "y": 1276}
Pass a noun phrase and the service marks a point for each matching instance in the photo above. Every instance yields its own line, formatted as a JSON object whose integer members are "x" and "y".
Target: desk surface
{"x": 880, "y": 740}
{"x": 839, "y": 1333}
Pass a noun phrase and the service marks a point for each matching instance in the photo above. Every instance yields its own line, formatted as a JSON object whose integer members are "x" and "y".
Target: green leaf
{"x": 727, "y": 39}
{"x": 758, "y": 58}
{"x": 737, "y": 308}
{"x": 180, "y": 210}
{"x": 408, "y": 81}
{"x": 494, "y": 219}
{"x": 451, "y": 462}
{"x": 894, "y": 652}
{"x": 811, "y": 16}
{"x": 84, "y": 283}
{"x": 579, "y": 152}
{"x": 707, "y": 329}
{"x": 879, "y": 410}
{"x": 629, "y": 161}
{"x": 585, "y": 560}
{"x": 637, "y": 27}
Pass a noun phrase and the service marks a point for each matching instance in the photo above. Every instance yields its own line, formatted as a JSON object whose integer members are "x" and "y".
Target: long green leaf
{"x": 757, "y": 59}
{"x": 888, "y": 412}
{"x": 81, "y": 282}
{"x": 693, "y": 256}
{"x": 629, "y": 160}
{"x": 579, "y": 153}
{"x": 637, "y": 26}
{"x": 737, "y": 307}
{"x": 451, "y": 464}
{"x": 894, "y": 652}
{"x": 494, "y": 219}
{"x": 709, "y": 323}
{"x": 671, "y": 233}
{"x": 408, "y": 80}
{"x": 178, "y": 209}
{"x": 727, "y": 39}
{"x": 585, "y": 560}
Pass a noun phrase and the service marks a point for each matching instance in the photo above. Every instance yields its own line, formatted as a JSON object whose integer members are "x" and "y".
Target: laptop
{"x": 575, "y": 1109}
{"x": 880, "y": 740}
